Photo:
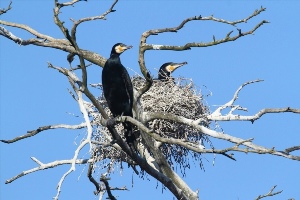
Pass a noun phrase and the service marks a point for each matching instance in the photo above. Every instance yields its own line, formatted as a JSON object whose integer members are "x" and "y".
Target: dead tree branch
{"x": 4, "y": 10}
{"x": 178, "y": 193}
{"x": 91, "y": 178}
{"x": 233, "y": 23}
{"x": 250, "y": 147}
{"x": 103, "y": 17}
{"x": 217, "y": 115}
{"x": 144, "y": 46}
{"x": 235, "y": 97}
{"x": 44, "y": 128}
{"x": 108, "y": 189}
{"x": 269, "y": 194}
{"x": 71, "y": 3}
{"x": 43, "y": 166}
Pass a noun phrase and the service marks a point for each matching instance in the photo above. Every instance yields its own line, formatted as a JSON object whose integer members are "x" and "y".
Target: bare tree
{"x": 171, "y": 124}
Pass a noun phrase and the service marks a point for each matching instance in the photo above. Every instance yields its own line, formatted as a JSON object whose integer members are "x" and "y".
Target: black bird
{"x": 167, "y": 68}
{"x": 118, "y": 89}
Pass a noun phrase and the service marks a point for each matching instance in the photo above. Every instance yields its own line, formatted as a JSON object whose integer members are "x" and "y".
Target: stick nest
{"x": 175, "y": 96}
{"x": 179, "y": 97}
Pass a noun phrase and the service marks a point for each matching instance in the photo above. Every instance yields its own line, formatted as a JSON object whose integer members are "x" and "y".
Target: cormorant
{"x": 167, "y": 68}
{"x": 118, "y": 89}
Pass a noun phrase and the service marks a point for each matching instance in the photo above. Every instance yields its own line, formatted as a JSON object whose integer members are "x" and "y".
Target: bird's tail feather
{"x": 130, "y": 137}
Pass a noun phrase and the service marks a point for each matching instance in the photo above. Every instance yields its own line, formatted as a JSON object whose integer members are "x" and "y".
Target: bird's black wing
{"x": 128, "y": 85}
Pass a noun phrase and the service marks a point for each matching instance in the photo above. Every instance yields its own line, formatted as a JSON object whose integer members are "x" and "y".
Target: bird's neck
{"x": 114, "y": 59}
{"x": 114, "y": 56}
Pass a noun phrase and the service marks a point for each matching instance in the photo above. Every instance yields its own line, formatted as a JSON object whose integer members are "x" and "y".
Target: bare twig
{"x": 217, "y": 115}
{"x": 269, "y": 194}
{"x": 235, "y": 97}
{"x": 103, "y": 16}
{"x": 252, "y": 118}
{"x": 71, "y": 3}
{"x": 43, "y": 128}
{"x": 289, "y": 150}
{"x": 4, "y": 10}
{"x": 43, "y": 166}
{"x": 255, "y": 13}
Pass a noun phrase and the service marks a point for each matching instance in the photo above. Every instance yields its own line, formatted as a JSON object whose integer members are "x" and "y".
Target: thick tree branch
{"x": 33, "y": 32}
{"x": 46, "y": 41}
{"x": 145, "y": 166}
{"x": 105, "y": 181}
{"x": 193, "y": 146}
{"x": 91, "y": 178}
{"x": 251, "y": 147}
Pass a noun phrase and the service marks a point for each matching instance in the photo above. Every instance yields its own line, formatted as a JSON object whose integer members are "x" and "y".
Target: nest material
{"x": 109, "y": 156}
{"x": 180, "y": 98}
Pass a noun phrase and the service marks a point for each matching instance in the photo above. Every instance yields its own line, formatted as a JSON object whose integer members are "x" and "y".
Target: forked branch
{"x": 43, "y": 166}
{"x": 217, "y": 115}
{"x": 144, "y": 46}
{"x": 269, "y": 194}
{"x": 4, "y": 10}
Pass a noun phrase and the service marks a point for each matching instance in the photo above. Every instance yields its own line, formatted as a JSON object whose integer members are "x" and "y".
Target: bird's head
{"x": 167, "y": 68}
{"x": 119, "y": 48}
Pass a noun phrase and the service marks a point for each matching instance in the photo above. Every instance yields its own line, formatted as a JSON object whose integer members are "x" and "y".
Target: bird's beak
{"x": 177, "y": 65}
{"x": 127, "y": 47}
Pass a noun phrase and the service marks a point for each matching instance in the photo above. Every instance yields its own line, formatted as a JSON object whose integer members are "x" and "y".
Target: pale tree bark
{"x": 150, "y": 157}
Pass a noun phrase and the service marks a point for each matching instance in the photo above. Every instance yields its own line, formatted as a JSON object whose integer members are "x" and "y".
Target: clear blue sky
{"x": 33, "y": 95}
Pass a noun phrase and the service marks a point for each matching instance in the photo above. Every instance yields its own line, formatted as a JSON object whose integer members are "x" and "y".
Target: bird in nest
{"x": 166, "y": 69}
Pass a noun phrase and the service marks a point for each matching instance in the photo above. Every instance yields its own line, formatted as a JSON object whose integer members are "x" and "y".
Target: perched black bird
{"x": 167, "y": 68}
{"x": 118, "y": 89}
